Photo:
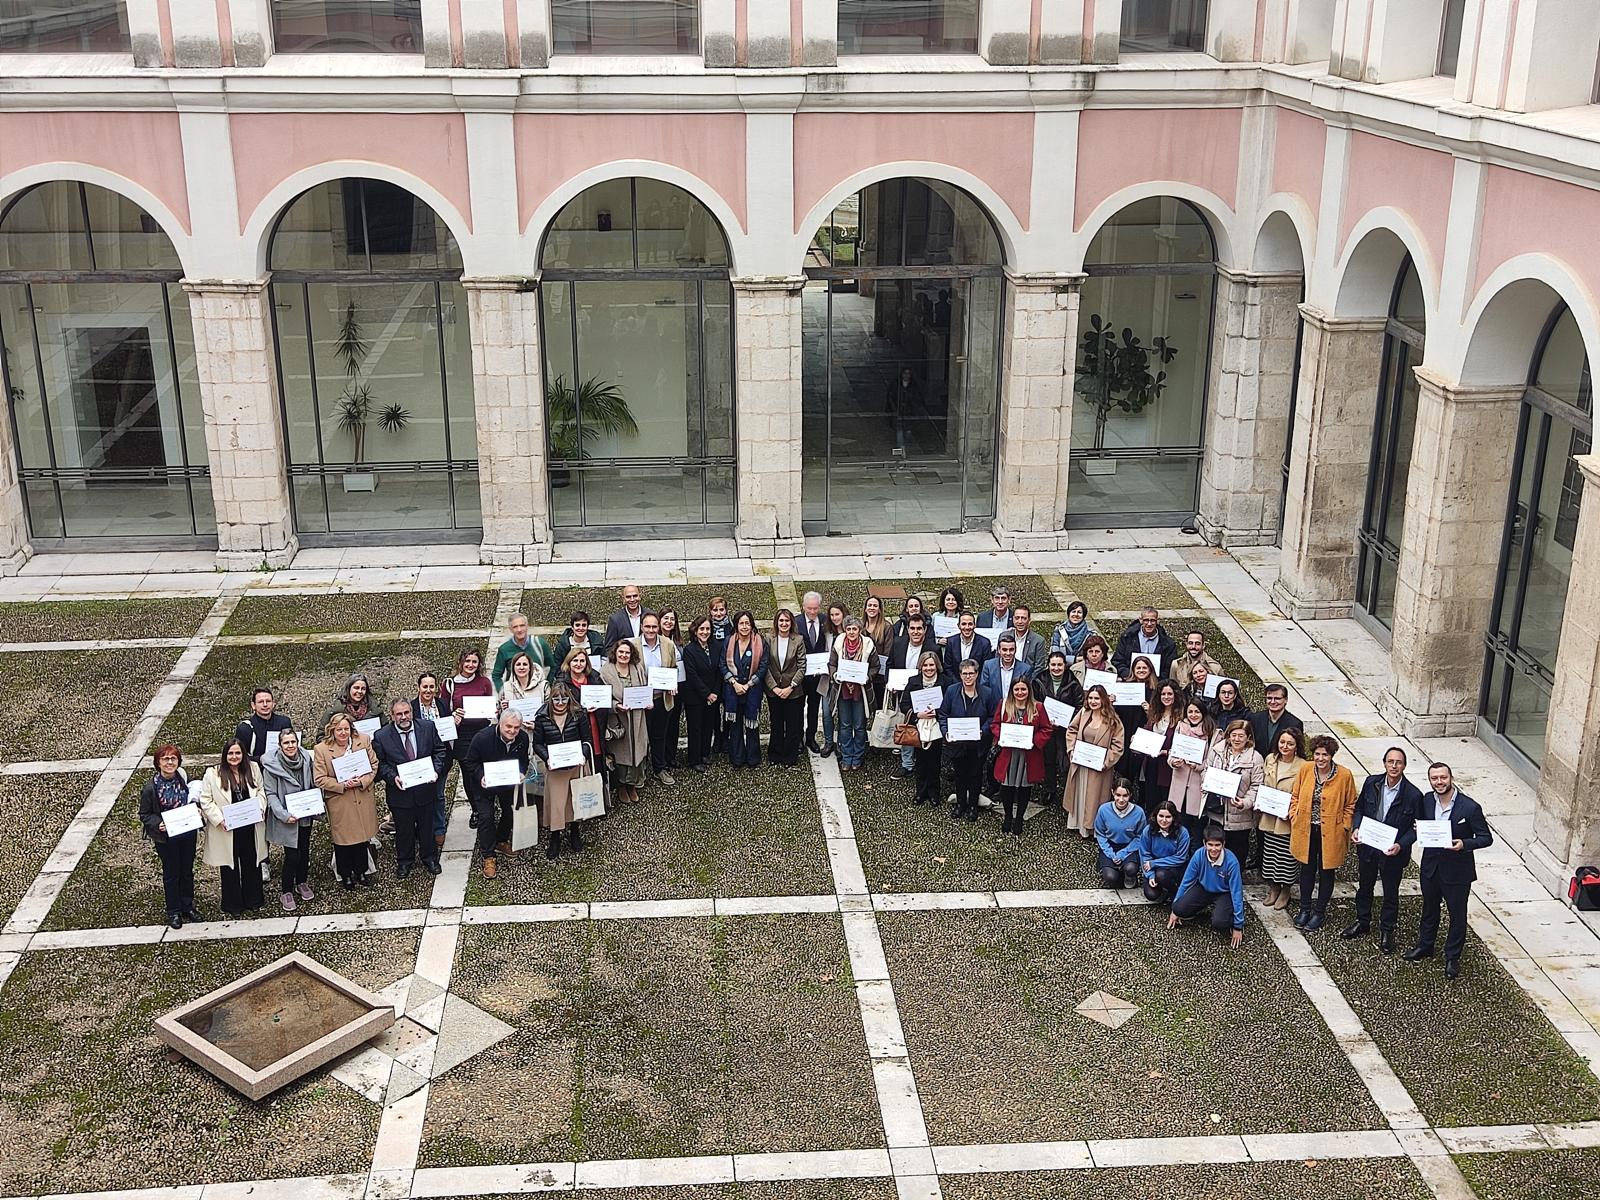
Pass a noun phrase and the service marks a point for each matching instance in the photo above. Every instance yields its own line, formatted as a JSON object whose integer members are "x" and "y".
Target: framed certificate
{"x": 416, "y": 772}
{"x": 504, "y": 772}
{"x": 478, "y": 708}
{"x": 1060, "y": 714}
{"x": 1015, "y": 736}
{"x": 1273, "y": 802}
{"x": 1147, "y": 741}
{"x": 923, "y": 699}
{"x": 817, "y": 664}
{"x": 965, "y": 729}
{"x": 352, "y": 766}
{"x": 564, "y": 755}
{"x": 1087, "y": 754}
{"x": 1106, "y": 679}
{"x": 241, "y": 815}
{"x": 664, "y": 679}
{"x": 595, "y": 696}
{"x": 1433, "y": 835}
{"x": 1376, "y": 834}
{"x": 1222, "y": 783}
{"x": 183, "y": 819}
{"x": 638, "y": 697}
{"x": 308, "y": 803}
{"x": 368, "y": 726}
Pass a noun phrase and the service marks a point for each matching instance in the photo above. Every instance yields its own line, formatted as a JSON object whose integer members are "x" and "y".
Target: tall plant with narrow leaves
{"x": 356, "y": 403}
{"x": 1126, "y": 373}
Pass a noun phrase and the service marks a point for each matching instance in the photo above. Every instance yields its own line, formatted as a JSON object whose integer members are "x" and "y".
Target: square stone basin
{"x": 274, "y": 1025}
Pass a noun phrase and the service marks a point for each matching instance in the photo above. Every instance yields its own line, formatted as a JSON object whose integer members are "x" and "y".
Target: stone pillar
{"x": 244, "y": 436}
{"x": 252, "y": 32}
{"x": 1335, "y": 406}
{"x": 819, "y": 33}
{"x": 1466, "y": 439}
{"x": 1041, "y": 343}
{"x": 1252, "y": 383}
{"x": 508, "y": 394}
{"x": 767, "y": 342}
{"x": 1566, "y": 819}
{"x": 533, "y": 34}
{"x": 15, "y": 549}
{"x": 1005, "y": 32}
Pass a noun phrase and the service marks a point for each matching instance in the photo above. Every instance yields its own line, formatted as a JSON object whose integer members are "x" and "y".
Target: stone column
{"x": 1449, "y": 554}
{"x": 1252, "y": 382}
{"x": 244, "y": 435}
{"x": 1335, "y": 406}
{"x": 15, "y": 549}
{"x": 1041, "y": 342}
{"x": 1566, "y": 819}
{"x": 508, "y": 394}
{"x": 767, "y": 343}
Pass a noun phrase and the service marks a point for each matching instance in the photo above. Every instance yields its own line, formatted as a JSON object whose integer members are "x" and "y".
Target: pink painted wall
{"x": 1299, "y": 144}
{"x": 1118, "y": 148}
{"x": 1568, "y": 217}
{"x": 831, "y": 147}
{"x": 552, "y": 148}
{"x": 1389, "y": 174}
{"x": 270, "y": 147}
{"x": 144, "y": 147}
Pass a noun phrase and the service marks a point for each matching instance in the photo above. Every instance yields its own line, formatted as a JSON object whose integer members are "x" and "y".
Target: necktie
{"x": 411, "y": 751}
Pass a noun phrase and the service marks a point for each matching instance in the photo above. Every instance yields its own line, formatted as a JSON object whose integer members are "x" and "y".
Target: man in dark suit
{"x": 406, "y": 740}
{"x": 968, "y": 643}
{"x": 1147, "y": 635}
{"x": 1005, "y": 668}
{"x": 1447, "y": 874}
{"x": 1392, "y": 799}
{"x": 625, "y": 622}
{"x": 814, "y": 633}
{"x": 1266, "y": 726}
{"x": 997, "y": 619}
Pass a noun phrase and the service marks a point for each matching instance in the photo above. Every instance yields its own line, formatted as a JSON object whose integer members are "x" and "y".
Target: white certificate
{"x": 1087, "y": 754}
{"x": 1222, "y": 783}
{"x": 183, "y": 819}
{"x": 1273, "y": 802}
{"x": 351, "y": 766}
{"x": 241, "y": 815}
{"x": 883, "y": 664}
{"x": 271, "y": 742}
{"x": 565, "y": 754}
{"x": 682, "y": 674}
{"x": 196, "y": 786}
{"x": 1018, "y": 737}
{"x": 503, "y": 772}
{"x": 1153, "y": 659}
{"x": 416, "y": 772}
{"x": 817, "y": 664}
{"x": 898, "y": 678}
{"x": 445, "y": 727}
{"x": 638, "y": 697}
{"x": 851, "y": 671}
{"x": 923, "y": 699}
{"x": 308, "y": 803}
{"x": 1213, "y": 682}
{"x": 595, "y": 696}
{"x": 1376, "y": 834}
{"x": 1127, "y": 693}
{"x": 478, "y": 708}
{"x": 664, "y": 679}
{"x": 1106, "y": 679}
{"x": 945, "y": 626}
{"x": 1188, "y": 748}
{"x": 368, "y": 726}
{"x": 1060, "y": 714}
{"x": 965, "y": 729}
{"x": 1147, "y": 741}
{"x": 1434, "y": 835}
{"x": 527, "y": 708}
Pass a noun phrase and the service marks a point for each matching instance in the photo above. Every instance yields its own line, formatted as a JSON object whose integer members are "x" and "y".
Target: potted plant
{"x": 356, "y": 404}
{"x": 605, "y": 411}
{"x": 1118, "y": 374}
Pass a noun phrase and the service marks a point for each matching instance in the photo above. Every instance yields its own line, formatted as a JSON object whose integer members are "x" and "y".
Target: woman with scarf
{"x": 1096, "y": 656}
{"x": 852, "y": 701}
{"x": 627, "y": 731}
{"x": 470, "y": 679}
{"x": 562, "y": 719}
{"x": 285, "y": 770}
{"x": 237, "y": 853}
{"x": 744, "y": 664}
{"x": 355, "y": 701}
{"x": 352, "y": 806}
{"x": 1070, "y": 636}
{"x": 166, "y": 790}
{"x": 1058, "y": 683}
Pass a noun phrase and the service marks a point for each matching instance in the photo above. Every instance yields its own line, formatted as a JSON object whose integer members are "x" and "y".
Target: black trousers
{"x": 1453, "y": 896}
{"x": 1015, "y": 799}
{"x": 967, "y": 767}
{"x": 783, "y": 747}
{"x": 296, "y": 861}
{"x": 1314, "y": 878}
{"x": 177, "y": 873}
{"x": 1118, "y": 875}
{"x": 1194, "y": 900}
{"x": 492, "y": 829}
{"x": 241, "y": 883}
{"x": 703, "y": 722}
{"x": 1238, "y": 840}
{"x": 1374, "y": 867}
{"x": 813, "y": 703}
{"x": 928, "y": 762}
{"x": 1167, "y": 881}
{"x": 413, "y": 834}
{"x": 663, "y": 747}
{"x": 351, "y": 862}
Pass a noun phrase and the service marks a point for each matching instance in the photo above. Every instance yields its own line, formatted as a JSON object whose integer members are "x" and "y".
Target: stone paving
{"x": 458, "y": 1042}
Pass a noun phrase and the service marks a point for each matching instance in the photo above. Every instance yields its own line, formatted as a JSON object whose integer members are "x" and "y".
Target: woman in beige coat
{"x": 1097, "y": 724}
{"x": 627, "y": 732}
{"x": 238, "y": 853}
{"x": 352, "y": 805}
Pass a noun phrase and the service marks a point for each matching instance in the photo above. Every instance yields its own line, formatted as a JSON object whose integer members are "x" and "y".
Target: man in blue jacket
{"x": 1212, "y": 881}
{"x": 1447, "y": 874}
{"x": 405, "y": 739}
{"x": 1389, "y": 799}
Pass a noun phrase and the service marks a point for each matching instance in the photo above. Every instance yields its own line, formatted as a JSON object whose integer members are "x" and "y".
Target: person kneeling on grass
{"x": 1163, "y": 854}
{"x": 1212, "y": 881}
{"x": 1117, "y": 828}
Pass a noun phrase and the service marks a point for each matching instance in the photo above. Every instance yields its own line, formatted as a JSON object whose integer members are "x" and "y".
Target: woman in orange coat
{"x": 1319, "y": 827}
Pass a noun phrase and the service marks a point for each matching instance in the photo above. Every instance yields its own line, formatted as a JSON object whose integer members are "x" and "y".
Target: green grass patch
{"x": 83, "y": 704}
{"x": 101, "y": 620}
{"x": 1129, "y": 592}
{"x": 553, "y": 607}
{"x": 38, "y": 810}
{"x": 975, "y": 589}
{"x": 1531, "y": 1175}
{"x": 1373, "y": 1179}
{"x": 360, "y": 612}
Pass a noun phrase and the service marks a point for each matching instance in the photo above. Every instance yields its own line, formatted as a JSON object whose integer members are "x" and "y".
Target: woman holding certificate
{"x": 1320, "y": 816}
{"x": 524, "y": 686}
{"x": 920, "y": 702}
{"x": 1166, "y": 711}
{"x": 701, "y": 692}
{"x": 967, "y": 710}
{"x": 357, "y": 702}
{"x": 165, "y": 792}
{"x": 876, "y": 629}
{"x": 287, "y": 773}
{"x": 1094, "y": 745}
{"x": 1133, "y": 709}
{"x": 1187, "y": 755}
{"x": 1234, "y": 754}
{"x": 744, "y": 663}
{"x": 852, "y": 657}
{"x": 345, "y": 769}
{"x": 786, "y": 693}
{"x": 628, "y": 729}
{"x": 233, "y": 803}
{"x": 947, "y": 615}
{"x": 1020, "y": 730}
{"x": 1278, "y": 867}
{"x": 1058, "y": 683}
{"x": 1096, "y": 657}
{"x": 561, "y": 732}
{"x": 470, "y": 688}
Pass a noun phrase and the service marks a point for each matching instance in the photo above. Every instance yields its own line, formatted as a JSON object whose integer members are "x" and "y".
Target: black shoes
{"x": 553, "y": 850}
{"x": 432, "y": 866}
{"x": 192, "y": 916}
{"x": 1452, "y": 968}
{"x": 472, "y": 821}
{"x": 403, "y": 871}
{"x": 1354, "y": 931}
{"x": 1316, "y": 922}
{"x": 1417, "y": 954}
{"x": 575, "y": 839}
{"x": 175, "y": 920}
{"x": 1301, "y": 917}
{"x": 1386, "y": 941}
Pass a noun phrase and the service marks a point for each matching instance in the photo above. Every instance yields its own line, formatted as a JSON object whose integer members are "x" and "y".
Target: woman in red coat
{"x": 1017, "y": 773}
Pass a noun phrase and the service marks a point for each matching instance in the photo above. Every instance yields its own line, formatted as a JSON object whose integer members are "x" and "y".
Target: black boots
{"x": 554, "y": 848}
{"x": 575, "y": 839}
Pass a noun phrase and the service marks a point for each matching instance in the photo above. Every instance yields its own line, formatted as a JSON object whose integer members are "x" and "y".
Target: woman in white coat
{"x": 237, "y": 853}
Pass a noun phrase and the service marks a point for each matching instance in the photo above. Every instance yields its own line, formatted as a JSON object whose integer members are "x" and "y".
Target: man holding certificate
{"x": 410, "y": 760}
{"x": 497, "y": 760}
{"x": 1385, "y": 828}
{"x": 1455, "y": 823}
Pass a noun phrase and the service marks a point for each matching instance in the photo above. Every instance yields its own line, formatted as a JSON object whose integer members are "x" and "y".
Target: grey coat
{"x": 282, "y": 781}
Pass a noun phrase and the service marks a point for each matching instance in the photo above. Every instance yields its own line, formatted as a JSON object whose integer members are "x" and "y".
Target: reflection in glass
{"x": 1455, "y": 12}
{"x": 908, "y": 26}
{"x": 1153, "y": 25}
{"x": 625, "y": 26}
{"x": 64, "y": 26}
{"x": 347, "y": 26}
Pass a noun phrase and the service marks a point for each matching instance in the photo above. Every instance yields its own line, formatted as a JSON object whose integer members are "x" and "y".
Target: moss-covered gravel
{"x": 975, "y": 589}
{"x": 659, "y": 1037}
{"x": 1476, "y": 1051}
{"x": 361, "y": 612}
{"x": 101, "y": 620}
{"x": 38, "y": 809}
{"x": 78, "y": 703}
{"x": 1377, "y": 1179}
{"x": 1130, "y": 592}
{"x": 92, "y": 1101}
{"x": 1533, "y": 1175}
{"x": 553, "y": 607}
{"x": 987, "y": 1000}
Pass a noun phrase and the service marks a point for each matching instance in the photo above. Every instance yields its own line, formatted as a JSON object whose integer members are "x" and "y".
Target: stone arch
{"x": 175, "y": 228}
{"x": 1508, "y": 316}
{"x": 1363, "y": 283}
{"x": 1219, "y": 217}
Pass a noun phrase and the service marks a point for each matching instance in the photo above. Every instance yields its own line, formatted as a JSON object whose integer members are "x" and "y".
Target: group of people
{"x": 1148, "y": 748}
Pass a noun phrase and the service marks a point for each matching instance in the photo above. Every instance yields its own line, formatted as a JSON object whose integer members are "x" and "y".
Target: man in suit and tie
{"x": 968, "y": 643}
{"x": 1005, "y": 666}
{"x": 1447, "y": 874}
{"x": 626, "y": 622}
{"x": 814, "y": 633}
{"x": 1031, "y": 648}
{"x": 405, "y": 740}
{"x": 1390, "y": 799}
{"x": 998, "y": 619}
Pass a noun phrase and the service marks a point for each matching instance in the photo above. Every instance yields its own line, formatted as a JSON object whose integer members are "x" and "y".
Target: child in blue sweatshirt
{"x": 1163, "y": 854}
{"x": 1212, "y": 881}
{"x": 1117, "y": 827}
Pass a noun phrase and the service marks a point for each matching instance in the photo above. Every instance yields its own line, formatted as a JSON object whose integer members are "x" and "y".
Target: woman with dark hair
{"x": 875, "y": 628}
{"x": 164, "y": 791}
{"x": 1118, "y": 826}
{"x": 1320, "y": 816}
{"x": 744, "y": 662}
{"x": 911, "y": 608}
{"x": 785, "y": 683}
{"x": 1069, "y": 636}
{"x": 355, "y": 701}
{"x": 833, "y": 630}
{"x": 578, "y": 633}
{"x": 287, "y": 769}
{"x": 469, "y": 680}
{"x": 1058, "y": 683}
{"x": 1166, "y": 711}
{"x": 352, "y": 805}
{"x": 1278, "y": 866}
{"x": 968, "y": 699}
{"x": 1096, "y": 656}
{"x": 1016, "y": 770}
{"x": 1229, "y": 707}
{"x": 237, "y": 853}
{"x": 1133, "y": 716}
{"x": 1163, "y": 854}
{"x": 1096, "y": 724}
{"x": 927, "y": 758}
{"x": 852, "y": 701}
{"x": 1189, "y": 766}
{"x": 702, "y": 691}
{"x": 627, "y": 730}
{"x": 949, "y": 610}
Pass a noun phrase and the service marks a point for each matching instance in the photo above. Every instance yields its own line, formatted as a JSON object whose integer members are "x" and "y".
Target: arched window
{"x": 1144, "y": 358}
{"x": 374, "y": 364}
{"x": 638, "y": 360}
{"x": 1557, "y": 423}
{"x": 901, "y": 362}
{"x": 98, "y": 363}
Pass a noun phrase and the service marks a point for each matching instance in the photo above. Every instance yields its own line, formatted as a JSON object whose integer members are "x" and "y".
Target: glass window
{"x": 1153, "y": 25}
{"x": 64, "y": 26}
{"x": 1450, "y": 36}
{"x": 347, "y": 26}
{"x": 908, "y": 26}
{"x": 625, "y": 26}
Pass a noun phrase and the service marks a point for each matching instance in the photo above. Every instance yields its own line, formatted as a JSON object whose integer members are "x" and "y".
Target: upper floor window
{"x": 1455, "y": 12}
{"x": 347, "y": 26}
{"x": 625, "y": 26}
{"x": 64, "y": 26}
{"x": 908, "y": 26}
{"x": 1164, "y": 24}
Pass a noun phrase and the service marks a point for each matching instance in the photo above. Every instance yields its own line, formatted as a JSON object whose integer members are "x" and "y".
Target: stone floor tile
{"x": 903, "y": 1124}
{"x": 1289, "y": 1147}
{"x": 1492, "y": 1139}
{"x": 814, "y": 1164}
{"x": 1012, "y": 1157}
{"x": 880, "y": 1019}
{"x": 656, "y": 1172}
{"x": 866, "y": 948}
{"x": 484, "y": 1181}
{"x": 1162, "y": 1151}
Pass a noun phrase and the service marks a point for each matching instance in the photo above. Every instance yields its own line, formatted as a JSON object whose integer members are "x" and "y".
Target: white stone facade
{"x": 767, "y": 318}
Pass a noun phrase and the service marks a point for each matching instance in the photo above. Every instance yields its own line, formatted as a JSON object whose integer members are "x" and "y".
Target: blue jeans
{"x": 907, "y": 757}
{"x": 441, "y": 805}
{"x": 825, "y": 733}
{"x": 852, "y": 731}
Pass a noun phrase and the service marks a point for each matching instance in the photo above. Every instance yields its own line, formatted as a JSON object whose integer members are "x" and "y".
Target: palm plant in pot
{"x": 605, "y": 412}
{"x": 1118, "y": 374}
{"x": 357, "y": 405}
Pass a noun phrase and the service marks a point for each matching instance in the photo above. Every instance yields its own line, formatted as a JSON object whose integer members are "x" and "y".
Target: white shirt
{"x": 915, "y": 652}
{"x": 811, "y": 631}
{"x": 783, "y": 647}
{"x": 634, "y": 621}
{"x": 652, "y": 654}
{"x": 1390, "y": 794}
{"x": 1005, "y": 679}
{"x": 966, "y": 650}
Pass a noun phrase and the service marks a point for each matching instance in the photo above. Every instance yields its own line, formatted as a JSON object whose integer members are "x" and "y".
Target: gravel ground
{"x": 96, "y": 620}
{"x": 553, "y": 607}
{"x": 798, "y": 1189}
{"x": 975, "y": 589}
{"x": 666, "y": 1037}
{"x": 38, "y": 810}
{"x": 1205, "y": 1055}
{"x": 1380, "y": 1179}
{"x": 99, "y": 1103}
{"x": 85, "y": 703}
{"x": 1129, "y": 593}
{"x": 360, "y": 612}
{"x": 1447, "y": 1040}
{"x": 1541, "y": 1175}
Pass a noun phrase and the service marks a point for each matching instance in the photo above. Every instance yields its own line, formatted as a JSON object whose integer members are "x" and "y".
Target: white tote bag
{"x": 588, "y": 797}
{"x": 524, "y": 820}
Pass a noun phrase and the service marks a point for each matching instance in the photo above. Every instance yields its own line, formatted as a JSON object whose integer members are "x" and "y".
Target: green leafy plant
{"x": 1121, "y": 373}
{"x": 356, "y": 404}
{"x": 605, "y": 411}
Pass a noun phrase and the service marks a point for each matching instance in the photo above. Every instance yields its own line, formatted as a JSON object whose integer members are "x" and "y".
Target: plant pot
{"x": 360, "y": 481}
{"x": 1099, "y": 466}
{"x": 560, "y": 477}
